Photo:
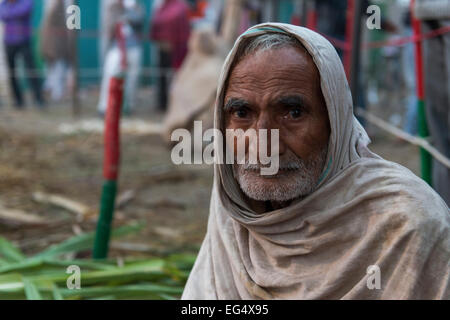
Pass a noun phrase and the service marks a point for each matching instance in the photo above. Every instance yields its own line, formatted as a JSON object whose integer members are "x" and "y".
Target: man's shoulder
{"x": 403, "y": 193}
{"x": 388, "y": 172}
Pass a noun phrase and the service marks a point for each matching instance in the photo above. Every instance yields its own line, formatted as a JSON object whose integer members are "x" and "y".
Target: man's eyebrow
{"x": 292, "y": 101}
{"x": 235, "y": 103}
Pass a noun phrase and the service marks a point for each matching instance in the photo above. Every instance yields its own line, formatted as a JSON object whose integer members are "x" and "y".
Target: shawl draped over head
{"x": 365, "y": 212}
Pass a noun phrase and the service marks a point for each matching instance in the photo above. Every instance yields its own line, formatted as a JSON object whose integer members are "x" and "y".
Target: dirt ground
{"x": 173, "y": 201}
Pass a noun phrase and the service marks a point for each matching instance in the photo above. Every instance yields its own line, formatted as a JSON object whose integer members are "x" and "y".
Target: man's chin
{"x": 279, "y": 187}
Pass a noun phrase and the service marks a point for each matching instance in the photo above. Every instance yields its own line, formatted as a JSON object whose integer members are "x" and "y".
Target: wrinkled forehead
{"x": 284, "y": 67}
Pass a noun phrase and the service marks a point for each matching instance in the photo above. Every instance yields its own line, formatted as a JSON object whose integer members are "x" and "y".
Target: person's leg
{"x": 33, "y": 76}
{"x": 411, "y": 114}
{"x": 55, "y": 82}
{"x": 61, "y": 73}
{"x": 164, "y": 65}
{"x": 134, "y": 56}
{"x": 11, "y": 53}
{"x": 51, "y": 79}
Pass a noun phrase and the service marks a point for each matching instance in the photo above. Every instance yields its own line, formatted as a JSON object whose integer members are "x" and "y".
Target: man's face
{"x": 280, "y": 89}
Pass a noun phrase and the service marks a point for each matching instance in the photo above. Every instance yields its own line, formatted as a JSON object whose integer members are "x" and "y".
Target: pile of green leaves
{"x": 43, "y": 276}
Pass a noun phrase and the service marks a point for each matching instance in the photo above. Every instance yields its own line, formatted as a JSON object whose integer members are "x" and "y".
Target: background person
{"x": 16, "y": 15}
{"x": 170, "y": 29}
{"x": 130, "y": 13}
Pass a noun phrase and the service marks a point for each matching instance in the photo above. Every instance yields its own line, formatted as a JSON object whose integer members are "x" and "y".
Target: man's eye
{"x": 295, "y": 113}
{"x": 240, "y": 113}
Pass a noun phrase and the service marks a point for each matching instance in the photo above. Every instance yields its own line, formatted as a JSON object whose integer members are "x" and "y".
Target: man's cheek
{"x": 251, "y": 148}
{"x": 302, "y": 143}
{"x": 247, "y": 143}
{"x": 233, "y": 146}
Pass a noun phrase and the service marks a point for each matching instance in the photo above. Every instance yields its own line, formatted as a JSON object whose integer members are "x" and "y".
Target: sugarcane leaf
{"x": 22, "y": 265}
{"x": 44, "y": 276}
{"x": 167, "y": 297}
{"x": 11, "y": 283}
{"x": 138, "y": 289}
{"x": 109, "y": 297}
{"x": 31, "y": 290}
{"x": 183, "y": 260}
{"x": 85, "y": 241}
{"x": 3, "y": 262}
{"x": 143, "y": 270}
{"x": 88, "y": 264}
{"x": 9, "y": 252}
{"x": 57, "y": 293}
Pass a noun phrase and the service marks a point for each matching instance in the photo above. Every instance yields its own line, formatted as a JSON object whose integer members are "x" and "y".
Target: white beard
{"x": 295, "y": 178}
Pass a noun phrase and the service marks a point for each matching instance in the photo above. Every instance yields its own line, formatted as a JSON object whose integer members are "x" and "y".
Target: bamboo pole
{"x": 420, "y": 142}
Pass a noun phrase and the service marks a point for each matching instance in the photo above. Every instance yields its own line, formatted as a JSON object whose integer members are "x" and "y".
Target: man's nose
{"x": 266, "y": 122}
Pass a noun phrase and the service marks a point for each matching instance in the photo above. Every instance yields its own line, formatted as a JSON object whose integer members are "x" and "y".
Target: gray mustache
{"x": 284, "y": 166}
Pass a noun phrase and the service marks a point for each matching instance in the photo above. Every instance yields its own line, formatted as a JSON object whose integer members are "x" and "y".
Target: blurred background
{"x": 54, "y": 96}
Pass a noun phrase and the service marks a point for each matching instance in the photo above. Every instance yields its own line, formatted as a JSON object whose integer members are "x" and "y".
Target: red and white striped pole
{"x": 425, "y": 156}
{"x": 111, "y": 160}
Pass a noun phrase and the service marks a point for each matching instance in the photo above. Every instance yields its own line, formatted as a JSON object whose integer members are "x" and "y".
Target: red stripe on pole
{"x": 349, "y": 37}
{"x": 112, "y": 130}
{"x": 418, "y": 55}
{"x": 405, "y": 40}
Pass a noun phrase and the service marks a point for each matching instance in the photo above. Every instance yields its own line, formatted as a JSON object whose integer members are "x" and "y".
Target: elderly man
{"x": 336, "y": 221}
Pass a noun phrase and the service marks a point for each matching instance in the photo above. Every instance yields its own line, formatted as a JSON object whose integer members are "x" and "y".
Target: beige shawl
{"x": 366, "y": 211}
